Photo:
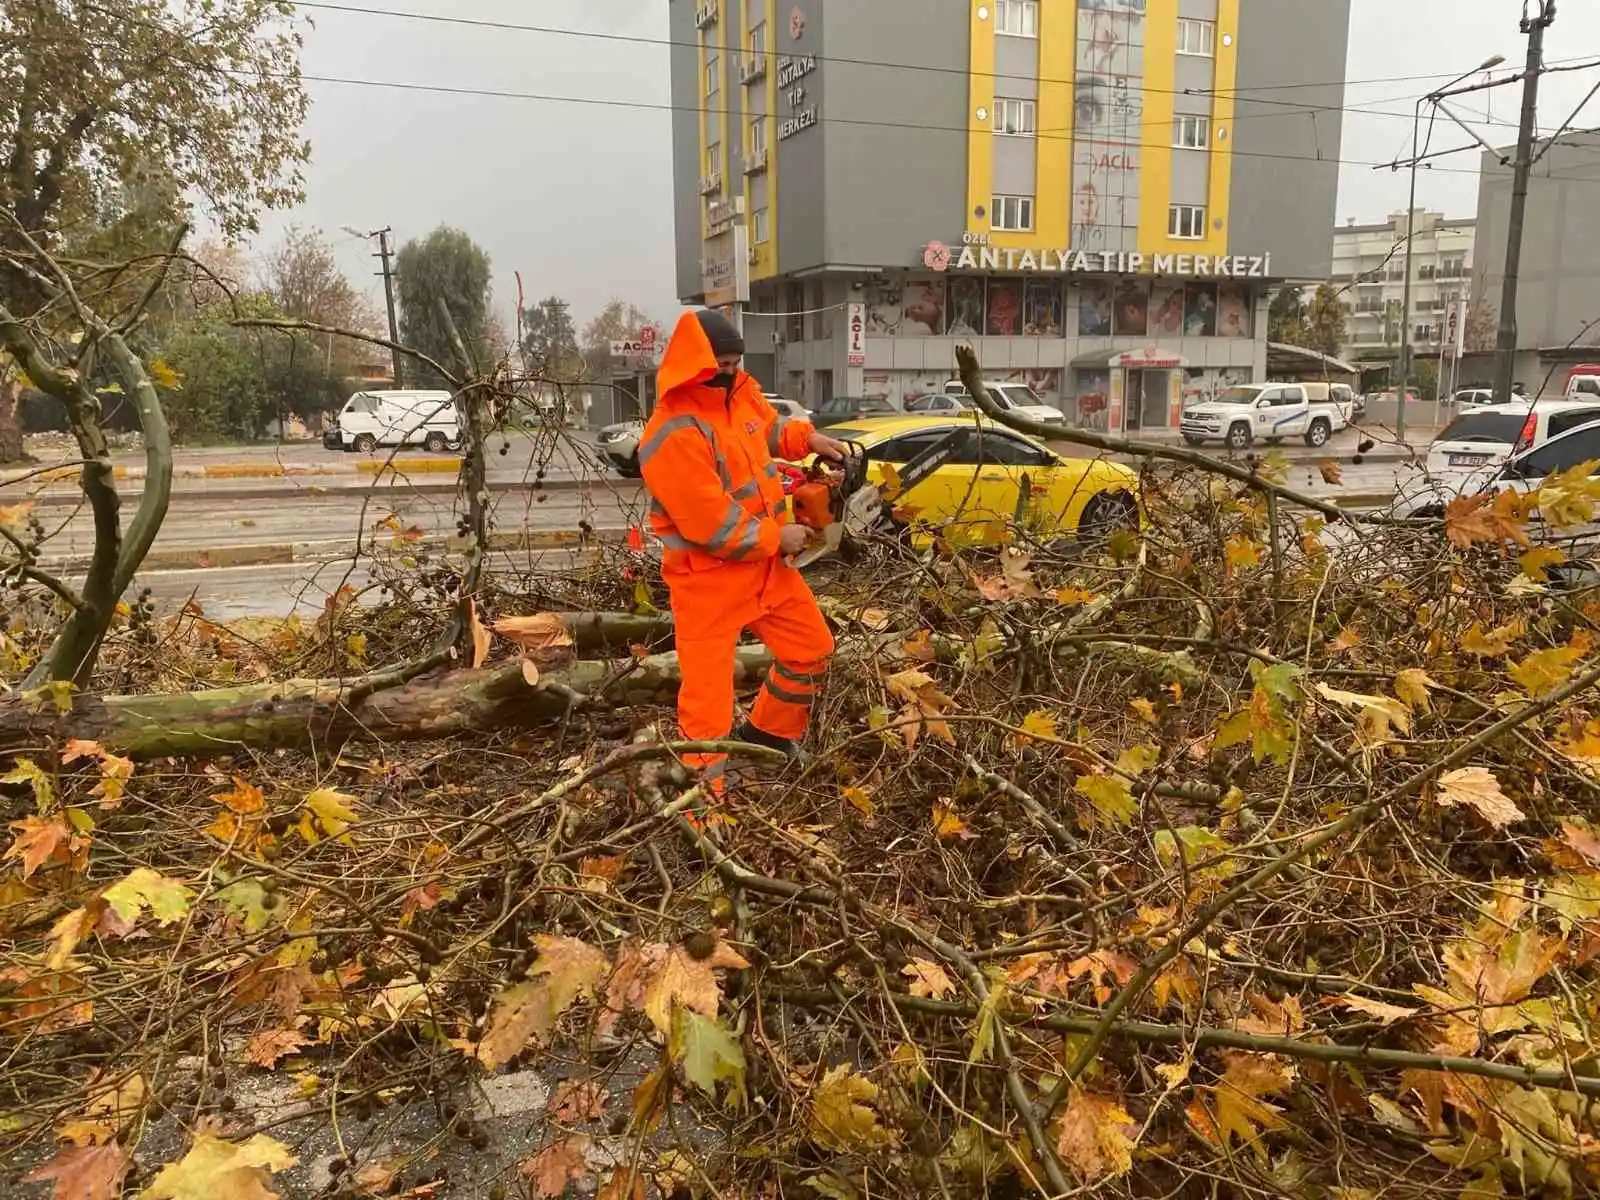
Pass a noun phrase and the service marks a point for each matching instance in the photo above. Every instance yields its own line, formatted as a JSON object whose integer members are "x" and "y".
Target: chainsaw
{"x": 842, "y": 502}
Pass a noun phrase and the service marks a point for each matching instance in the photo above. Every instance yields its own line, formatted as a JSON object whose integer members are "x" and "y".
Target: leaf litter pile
{"x": 1254, "y": 854}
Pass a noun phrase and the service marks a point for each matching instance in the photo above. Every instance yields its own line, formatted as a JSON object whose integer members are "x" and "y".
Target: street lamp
{"x": 1432, "y": 97}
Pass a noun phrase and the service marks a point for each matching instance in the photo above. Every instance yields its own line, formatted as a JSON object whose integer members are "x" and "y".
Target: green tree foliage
{"x": 447, "y": 265}
{"x": 617, "y": 321}
{"x": 222, "y": 391}
{"x": 1286, "y": 317}
{"x": 550, "y": 341}
{"x": 1325, "y": 321}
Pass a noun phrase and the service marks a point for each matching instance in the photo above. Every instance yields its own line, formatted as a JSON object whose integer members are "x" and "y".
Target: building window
{"x": 1197, "y": 37}
{"x": 758, "y": 136}
{"x": 713, "y": 70}
{"x": 758, "y": 225}
{"x": 713, "y": 159}
{"x": 758, "y": 39}
{"x": 1011, "y": 212}
{"x": 1186, "y": 221}
{"x": 1019, "y": 18}
{"x": 1014, "y": 117}
{"x": 1454, "y": 266}
{"x": 1191, "y": 133}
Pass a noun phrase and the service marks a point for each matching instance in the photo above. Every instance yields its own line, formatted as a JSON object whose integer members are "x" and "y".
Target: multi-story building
{"x": 1558, "y": 292}
{"x": 1098, "y": 194}
{"x": 1370, "y": 261}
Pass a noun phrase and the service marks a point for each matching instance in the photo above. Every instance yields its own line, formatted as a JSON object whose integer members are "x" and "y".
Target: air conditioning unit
{"x": 705, "y": 13}
{"x": 753, "y": 68}
{"x": 755, "y": 161}
{"x": 711, "y": 183}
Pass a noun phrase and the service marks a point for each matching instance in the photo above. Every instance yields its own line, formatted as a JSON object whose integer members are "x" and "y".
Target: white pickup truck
{"x": 1269, "y": 412}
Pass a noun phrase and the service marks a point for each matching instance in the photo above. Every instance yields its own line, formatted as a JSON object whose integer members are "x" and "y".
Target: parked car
{"x": 619, "y": 444}
{"x": 1269, "y": 412}
{"x": 936, "y": 402}
{"x": 1583, "y": 381}
{"x": 1477, "y": 397}
{"x": 1013, "y": 397}
{"x": 404, "y": 418}
{"x": 1478, "y": 442}
{"x": 791, "y": 409}
{"x": 838, "y": 409}
{"x": 981, "y": 488}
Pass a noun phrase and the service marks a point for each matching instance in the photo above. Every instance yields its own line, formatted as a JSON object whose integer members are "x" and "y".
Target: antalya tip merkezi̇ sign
{"x": 937, "y": 256}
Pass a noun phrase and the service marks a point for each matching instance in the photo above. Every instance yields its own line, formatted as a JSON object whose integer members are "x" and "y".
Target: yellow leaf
{"x": 163, "y": 376}
{"x": 1476, "y": 788}
{"x": 1240, "y": 551}
{"x": 1095, "y": 1137}
{"x": 1545, "y": 670}
{"x": 1110, "y": 798}
{"x": 1038, "y": 724}
{"x": 217, "y": 1170}
{"x": 334, "y": 810}
{"x": 1070, "y": 596}
{"x": 1569, "y": 497}
{"x": 1412, "y": 687}
{"x": 890, "y": 485}
{"x": 682, "y": 980}
{"x": 15, "y": 516}
{"x": 928, "y": 979}
{"x": 1238, "y": 1110}
{"x": 842, "y": 1117}
{"x": 907, "y": 685}
{"x": 1386, "y": 1014}
{"x": 167, "y": 899}
{"x": 859, "y": 799}
{"x": 947, "y": 824}
{"x": 1494, "y": 643}
{"x": 1482, "y": 518}
{"x": 1377, "y": 713}
{"x": 1144, "y": 710}
{"x": 1537, "y": 562}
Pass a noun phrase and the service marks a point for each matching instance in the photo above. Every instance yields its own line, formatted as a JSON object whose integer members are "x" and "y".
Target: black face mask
{"x": 722, "y": 379}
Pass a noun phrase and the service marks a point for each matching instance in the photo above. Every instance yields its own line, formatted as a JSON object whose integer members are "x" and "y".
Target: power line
{"x": 641, "y": 40}
{"x": 655, "y": 106}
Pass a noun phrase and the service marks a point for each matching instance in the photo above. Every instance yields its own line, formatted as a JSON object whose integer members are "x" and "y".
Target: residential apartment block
{"x": 1099, "y": 195}
{"x": 1370, "y": 260}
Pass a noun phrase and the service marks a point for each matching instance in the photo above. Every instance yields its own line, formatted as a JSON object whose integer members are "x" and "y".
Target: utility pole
{"x": 1505, "y": 358}
{"x": 388, "y": 294}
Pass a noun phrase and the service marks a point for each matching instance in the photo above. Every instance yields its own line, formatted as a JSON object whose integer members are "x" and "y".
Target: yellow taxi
{"x": 999, "y": 477}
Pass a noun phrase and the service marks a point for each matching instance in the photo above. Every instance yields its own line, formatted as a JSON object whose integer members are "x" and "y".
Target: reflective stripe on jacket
{"x": 707, "y": 459}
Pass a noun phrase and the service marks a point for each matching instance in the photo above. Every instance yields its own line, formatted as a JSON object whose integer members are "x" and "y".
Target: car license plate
{"x": 1468, "y": 460}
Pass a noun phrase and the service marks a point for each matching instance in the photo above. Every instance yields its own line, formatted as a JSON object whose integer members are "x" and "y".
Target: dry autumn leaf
{"x": 928, "y": 979}
{"x": 576, "y": 1101}
{"x": 1412, "y": 687}
{"x": 557, "y": 1165}
{"x": 84, "y": 1172}
{"x": 1386, "y": 1014}
{"x": 842, "y": 1117}
{"x": 1095, "y": 1137}
{"x": 919, "y": 647}
{"x": 683, "y": 979}
{"x": 948, "y": 825}
{"x": 265, "y": 1048}
{"x": 1477, "y": 788}
{"x": 1493, "y": 644}
{"x": 1038, "y": 724}
{"x": 1331, "y": 472}
{"x": 215, "y": 1169}
{"x": 37, "y": 841}
{"x": 1469, "y": 520}
{"x": 1238, "y": 1110}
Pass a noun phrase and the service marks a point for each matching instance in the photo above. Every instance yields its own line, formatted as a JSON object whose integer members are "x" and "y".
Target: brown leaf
{"x": 1387, "y": 1014}
{"x": 1238, "y": 1110}
{"x": 37, "y": 841}
{"x": 602, "y": 871}
{"x": 480, "y": 635}
{"x": 1581, "y": 839}
{"x": 535, "y": 634}
{"x": 1099, "y": 966}
{"x": 1483, "y": 518}
{"x": 1477, "y": 789}
{"x": 84, "y": 1172}
{"x": 557, "y": 1165}
{"x": 1273, "y": 1019}
{"x": 578, "y": 1100}
{"x": 919, "y": 646}
{"x": 691, "y": 982}
{"x": 1331, "y": 472}
{"x": 1095, "y": 1137}
{"x": 265, "y": 1048}
{"x": 928, "y": 979}
{"x": 624, "y": 1184}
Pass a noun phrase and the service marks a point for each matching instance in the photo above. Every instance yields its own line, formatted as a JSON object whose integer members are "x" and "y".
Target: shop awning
{"x": 1292, "y": 362}
{"x": 1147, "y": 358}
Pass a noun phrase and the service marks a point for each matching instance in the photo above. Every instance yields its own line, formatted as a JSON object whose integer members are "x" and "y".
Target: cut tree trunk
{"x": 305, "y": 712}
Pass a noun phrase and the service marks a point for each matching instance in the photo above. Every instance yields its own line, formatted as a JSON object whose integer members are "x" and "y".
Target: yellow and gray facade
{"x": 1098, "y": 194}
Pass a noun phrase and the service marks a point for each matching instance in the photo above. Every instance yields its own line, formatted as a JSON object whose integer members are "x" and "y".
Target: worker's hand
{"x": 829, "y": 448}
{"x": 792, "y": 539}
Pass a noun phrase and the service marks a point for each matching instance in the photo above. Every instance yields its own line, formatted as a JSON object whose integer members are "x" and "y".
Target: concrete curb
{"x": 258, "y": 470}
{"x": 271, "y": 554}
{"x": 350, "y": 488}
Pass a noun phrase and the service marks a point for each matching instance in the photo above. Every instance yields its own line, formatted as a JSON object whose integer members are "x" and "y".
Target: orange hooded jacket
{"x": 707, "y": 460}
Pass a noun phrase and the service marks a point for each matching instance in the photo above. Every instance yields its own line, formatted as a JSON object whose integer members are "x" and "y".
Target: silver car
{"x": 619, "y": 444}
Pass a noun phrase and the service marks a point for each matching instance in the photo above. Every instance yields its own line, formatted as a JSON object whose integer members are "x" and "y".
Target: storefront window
{"x": 1200, "y": 310}
{"x": 1094, "y": 308}
{"x": 1041, "y": 309}
{"x": 1003, "y": 313}
{"x": 1132, "y": 317}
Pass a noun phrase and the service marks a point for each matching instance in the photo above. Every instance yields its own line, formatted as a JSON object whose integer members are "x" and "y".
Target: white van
{"x": 373, "y": 419}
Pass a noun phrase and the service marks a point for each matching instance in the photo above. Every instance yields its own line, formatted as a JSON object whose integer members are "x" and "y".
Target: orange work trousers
{"x": 711, "y": 607}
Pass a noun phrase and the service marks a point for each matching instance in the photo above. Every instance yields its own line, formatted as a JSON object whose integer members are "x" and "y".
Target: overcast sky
{"x": 577, "y": 196}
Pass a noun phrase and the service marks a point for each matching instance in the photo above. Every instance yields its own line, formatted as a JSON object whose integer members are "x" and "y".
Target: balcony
{"x": 753, "y": 68}
{"x": 711, "y": 183}
{"x": 705, "y": 13}
{"x": 755, "y": 161}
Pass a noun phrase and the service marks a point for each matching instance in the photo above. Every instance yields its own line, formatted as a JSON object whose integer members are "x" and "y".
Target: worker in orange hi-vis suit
{"x": 717, "y": 505}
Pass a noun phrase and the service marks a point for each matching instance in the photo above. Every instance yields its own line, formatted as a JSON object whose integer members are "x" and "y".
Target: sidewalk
{"x": 244, "y": 469}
